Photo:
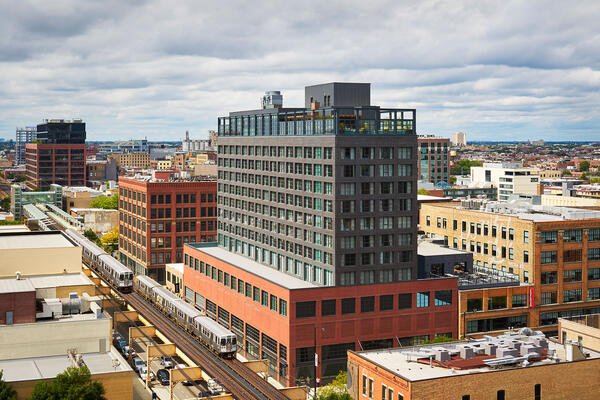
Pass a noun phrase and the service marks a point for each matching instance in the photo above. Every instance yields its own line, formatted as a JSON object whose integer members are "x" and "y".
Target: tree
{"x": 336, "y": 390}
{"x": 21, "y": 178}
{"x": 584, "y": 166}
{"x": 5, "y": 204}
{"x": 6, "y": 391}
{"x": 463, "y": 167}
{"x": 73, "y": 384}
{"x": 423, "y": 192}
{"x": 110, "y": 240}
{"x": 567, "y": 173}
{"x": 108, "y": 203}
{"x": 91, "y": 235}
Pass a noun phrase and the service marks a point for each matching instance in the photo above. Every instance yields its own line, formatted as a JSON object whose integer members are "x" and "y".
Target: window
{"x": 496, "y": 302}
{"x": 548, "y": 257}
{"x": 364, "y": 385}
{"x": 501, "y": 395}
{"x": 519, "y": 300}
{"x": 525, "y": 256}
{"x": 474, "y": 305}
{"x": 573, "y": 235}
{"x": 283, "y": 307}
{"x": 549, "y": 298}
{"x": 370, "y": 388}
{"x": 549, "y": 277}
{"x": 348, "y": 305}
{"x": 572, "y": 275}
{"x": 525, "y": 236}
{"x": 367, "y": 304}
{"x": 466, "y": 397}
{"x": 594, "y": 234}
{"x": 328, "y": 307}
{"x": 386, "y": 302}
{"x": 593, "y": 294}
{"x": 443, "y": 298}
{"x": 594, "y": 254}
{"x": 537, "y": 395}
{"x": 571, "y": 295}
{"x": 593, "y": 274}
{"x": 550, "y": 237}
{"x": 422, "y": 299}
{"x": 572, "y": 255}
{"x": 305, "y": 309}
{"x": 404, "y": 301}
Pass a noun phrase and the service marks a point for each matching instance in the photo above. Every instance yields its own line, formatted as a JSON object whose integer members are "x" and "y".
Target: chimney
{"x": 18, "y": 275}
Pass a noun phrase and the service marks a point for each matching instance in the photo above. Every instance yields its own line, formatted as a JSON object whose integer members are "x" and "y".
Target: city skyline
{"x": 148, "y": 69}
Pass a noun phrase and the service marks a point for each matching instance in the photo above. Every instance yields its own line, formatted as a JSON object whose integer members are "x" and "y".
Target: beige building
{"x": 510, "y": 366}
{"x": 583, "y": 330}
{"x": 54, "y": 322}
{"x": 131, "y": 160}
{"x": 205, "y": 170}
{"x": 174, "y": 278}
{"x": 99, "y": 220}
{"x": 547, "y": 173}
{"x": 508, "y": 178}
{"x": 78, "y": 197}
{"x": 459, "y": 139}
{"x": 164, "y": 164}
{"x": 38, "y": 253}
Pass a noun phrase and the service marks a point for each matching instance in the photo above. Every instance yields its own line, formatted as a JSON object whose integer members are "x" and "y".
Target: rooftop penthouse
{"x": 349, "y": 114}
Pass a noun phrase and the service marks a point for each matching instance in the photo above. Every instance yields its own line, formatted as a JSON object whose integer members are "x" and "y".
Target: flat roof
{"x": 254, "y": 268}
{"x": 33, "y": 241}
{"x": 413, "y": 363}
{"x": 78, "y": 279}
{"x": 35, "y": 368}
{"x": 13, "y": 285}
{"x": 433, "y": 249}
{"x": 176, "y": 266}
{"x": 14, "y": 228}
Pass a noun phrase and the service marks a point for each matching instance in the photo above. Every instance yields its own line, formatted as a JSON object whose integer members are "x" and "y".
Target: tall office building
{"x": 58, "y": 156}
{"x": 434, "y": 159}
{"x": 317, "y": 214}
{"x": 23, "y": 136}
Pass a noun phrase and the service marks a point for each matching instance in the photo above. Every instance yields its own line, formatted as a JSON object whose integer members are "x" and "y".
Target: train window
{"x": 223, "y": 342}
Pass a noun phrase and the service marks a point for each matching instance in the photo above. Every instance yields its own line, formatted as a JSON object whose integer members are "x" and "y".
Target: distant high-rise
{"x": 23, "y": 136}
{"x": 58, "y": 156}
{"x": 434, "y": 159}
{"x": 459, "y": 139}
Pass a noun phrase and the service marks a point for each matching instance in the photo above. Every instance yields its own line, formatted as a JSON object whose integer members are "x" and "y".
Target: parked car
{"x": 122, "y": 343}
{"x": 138, "y": 363}
{"x": 163, "y": 377}
{"x": 125, "y": 352}
{"x": 144, "y": 371}
{"x": 167, "y": 362}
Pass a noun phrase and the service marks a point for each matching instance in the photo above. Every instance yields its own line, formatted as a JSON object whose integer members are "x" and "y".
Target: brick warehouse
{"x": 317, "y": 215}
{"x": 158, "y": 216}
{"x": 281, "y": 318}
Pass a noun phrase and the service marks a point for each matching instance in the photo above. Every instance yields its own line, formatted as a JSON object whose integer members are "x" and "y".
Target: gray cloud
{"x": 155, "y": 68}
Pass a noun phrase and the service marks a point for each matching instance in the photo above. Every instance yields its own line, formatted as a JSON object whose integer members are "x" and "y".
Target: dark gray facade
{"x": 338, "y": 94}
{"x": 334, "y": 204}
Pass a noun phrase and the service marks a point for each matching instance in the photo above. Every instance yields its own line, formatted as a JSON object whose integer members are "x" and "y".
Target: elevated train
{"x": 218, "y": 338}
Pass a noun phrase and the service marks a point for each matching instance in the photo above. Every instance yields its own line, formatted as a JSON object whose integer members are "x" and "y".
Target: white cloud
{"x": 155, "y": 68}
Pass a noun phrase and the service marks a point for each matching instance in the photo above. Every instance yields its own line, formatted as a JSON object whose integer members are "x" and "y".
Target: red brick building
{"x": 58, "y": 155}
{"x": 62, "y": 164}
{"x": 17, "y": 302}
{"x": 158, "y": 216}
{"x": 282, "y": 319}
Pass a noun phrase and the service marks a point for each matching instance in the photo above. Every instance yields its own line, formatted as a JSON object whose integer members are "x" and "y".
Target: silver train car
{"x": 111, "y": 269}
{"x": 218, "y": 338}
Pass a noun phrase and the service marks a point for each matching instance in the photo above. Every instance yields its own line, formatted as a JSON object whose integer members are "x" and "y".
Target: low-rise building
{"x": 553, "y": 251}
{"x": 78, "y": 197}
{"x": 508, "y": 178}
{"x": 522, "y": 365}
{"x": 131, "y": 160}
{"x": 174, "y": 281}
{"x": 99, "y": 220}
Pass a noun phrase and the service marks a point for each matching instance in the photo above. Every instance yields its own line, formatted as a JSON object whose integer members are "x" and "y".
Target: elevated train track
{"x": 239, "y": 380}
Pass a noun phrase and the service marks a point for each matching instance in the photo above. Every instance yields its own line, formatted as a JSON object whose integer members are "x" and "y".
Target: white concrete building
{"x": 509, "y": 178}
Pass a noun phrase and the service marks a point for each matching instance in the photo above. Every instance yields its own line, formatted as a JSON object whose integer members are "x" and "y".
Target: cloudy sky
{"x": 497, "y": 70}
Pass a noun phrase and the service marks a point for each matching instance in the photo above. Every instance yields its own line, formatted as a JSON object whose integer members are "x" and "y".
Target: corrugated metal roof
{"x": 13, "y": 285}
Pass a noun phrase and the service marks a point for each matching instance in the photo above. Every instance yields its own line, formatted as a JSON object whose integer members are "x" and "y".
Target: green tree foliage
{"x": 91, "y": 235}
{"x": 584, "y": 166}
{"x": 567, "y": 173}
{"x": 109, "y": 203}
{"x": 73, "y": 384}
{"x": 336, "y": 390}
{"x": 423, "y": 192}
{"x": 6, "y": 391}
{"x": 5, "y": 204}
{"x": 463, "y": 167}
{"x": 440, "y": 339}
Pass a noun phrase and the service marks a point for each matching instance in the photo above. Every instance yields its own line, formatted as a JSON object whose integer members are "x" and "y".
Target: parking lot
{"x": 180, "y": 390}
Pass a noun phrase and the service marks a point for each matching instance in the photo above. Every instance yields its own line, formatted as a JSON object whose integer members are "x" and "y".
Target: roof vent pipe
{"x": 18, "y": 273}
